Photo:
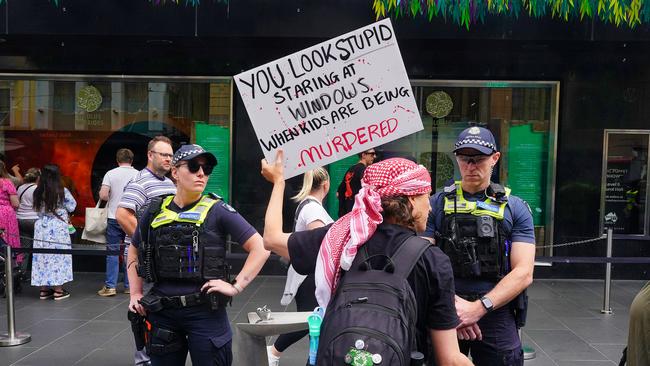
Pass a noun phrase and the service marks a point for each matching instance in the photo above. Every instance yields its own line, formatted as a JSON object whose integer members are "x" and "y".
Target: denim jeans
{"x": 114, "y": 237}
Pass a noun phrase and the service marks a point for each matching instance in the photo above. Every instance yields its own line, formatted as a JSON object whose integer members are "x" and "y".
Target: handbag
{"x": 97, "y": 238}
{"x": 96, "y": 220}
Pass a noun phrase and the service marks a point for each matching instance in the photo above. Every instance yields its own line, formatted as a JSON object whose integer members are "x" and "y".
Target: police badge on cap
{"x": 477, "y": 138}
{"x": 191, "y": 151}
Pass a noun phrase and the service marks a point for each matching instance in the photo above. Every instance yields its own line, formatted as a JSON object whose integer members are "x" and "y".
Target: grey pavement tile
{"x": 116, "y": 313}
{"x": 117, "y": 351}
{"x": 87, "y": 310}
{"x": 564, "y": 345}
{"x": 612, "y": 351}
{"x": 540, "y": 290}
{"x": 75, "y": 346}
{"x": 537, "y": 318}
{"x": 47, "y": 331}
{"x": 619, "y": 319}
{"x": 563, "y": 308}
{"x": 9, "y": 355}
{"x": 595, "y": 330}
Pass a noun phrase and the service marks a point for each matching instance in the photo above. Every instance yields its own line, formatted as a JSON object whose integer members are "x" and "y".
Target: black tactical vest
{"x": 472, "y": 235}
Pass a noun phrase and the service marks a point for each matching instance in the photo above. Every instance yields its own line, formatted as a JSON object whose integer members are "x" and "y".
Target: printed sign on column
{"x": 332, "y": 100}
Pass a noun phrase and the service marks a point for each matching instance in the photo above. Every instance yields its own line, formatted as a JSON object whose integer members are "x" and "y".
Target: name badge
{"x": 487, "y": 207}
{"x": 192, "y": 216}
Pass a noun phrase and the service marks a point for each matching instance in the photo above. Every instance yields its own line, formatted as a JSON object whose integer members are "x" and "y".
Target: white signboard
{"x": 332, "y": 100}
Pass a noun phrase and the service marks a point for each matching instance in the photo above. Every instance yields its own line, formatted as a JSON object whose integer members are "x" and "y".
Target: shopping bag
{"x": 96, "y": 220}
{"x": 97, "y": 238}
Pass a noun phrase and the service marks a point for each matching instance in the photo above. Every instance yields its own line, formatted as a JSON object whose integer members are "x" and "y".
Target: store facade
{"x": 566, "y": 101}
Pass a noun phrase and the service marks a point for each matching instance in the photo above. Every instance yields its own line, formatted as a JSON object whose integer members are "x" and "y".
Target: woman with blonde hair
{"x": 310, "y": 214}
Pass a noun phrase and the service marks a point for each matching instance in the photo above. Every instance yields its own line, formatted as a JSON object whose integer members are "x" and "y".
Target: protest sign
{"x": 332, "y": 100}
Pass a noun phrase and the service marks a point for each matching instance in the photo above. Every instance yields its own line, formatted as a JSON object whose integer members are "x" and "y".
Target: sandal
{"x": 60, "y": 295}
{"x": 46, "y": 294}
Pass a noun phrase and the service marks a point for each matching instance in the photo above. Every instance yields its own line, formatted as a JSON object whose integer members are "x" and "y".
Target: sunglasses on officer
{"x": 193, "y": 166}
{"x": 475, "y": 159}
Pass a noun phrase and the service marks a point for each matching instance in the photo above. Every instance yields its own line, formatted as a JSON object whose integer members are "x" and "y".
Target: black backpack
{"x": 373, "y": 314}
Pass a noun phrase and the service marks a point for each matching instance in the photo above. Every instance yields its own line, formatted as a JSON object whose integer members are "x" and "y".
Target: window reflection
{"x": 80, "y": 123}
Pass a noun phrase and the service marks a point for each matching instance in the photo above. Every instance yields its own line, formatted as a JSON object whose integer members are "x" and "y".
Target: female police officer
{"x": 179, "y": 245}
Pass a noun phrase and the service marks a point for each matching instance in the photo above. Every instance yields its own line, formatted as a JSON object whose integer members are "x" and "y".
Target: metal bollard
{"x": 11, "y": 338}
{"x": 608, "y": 273}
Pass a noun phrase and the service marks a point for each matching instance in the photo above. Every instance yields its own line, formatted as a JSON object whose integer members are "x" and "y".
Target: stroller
{"x": 18, "y": 274}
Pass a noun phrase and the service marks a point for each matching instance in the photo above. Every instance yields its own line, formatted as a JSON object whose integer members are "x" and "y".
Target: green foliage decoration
{"x": 629, "y": 13}
{"x": 154, "y": 2}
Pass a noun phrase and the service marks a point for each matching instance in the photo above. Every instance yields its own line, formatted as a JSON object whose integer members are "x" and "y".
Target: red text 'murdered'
{"x": 348, "y": 140}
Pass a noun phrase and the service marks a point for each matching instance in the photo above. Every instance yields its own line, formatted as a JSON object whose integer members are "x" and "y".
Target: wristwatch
{"x": 487, "y": 303}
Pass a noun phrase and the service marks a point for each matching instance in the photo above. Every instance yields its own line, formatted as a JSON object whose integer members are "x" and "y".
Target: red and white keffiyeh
{"x": 391, "y": 177}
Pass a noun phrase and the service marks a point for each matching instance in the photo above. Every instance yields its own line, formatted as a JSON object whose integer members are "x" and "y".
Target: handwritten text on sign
{"x": 332, "y": 100}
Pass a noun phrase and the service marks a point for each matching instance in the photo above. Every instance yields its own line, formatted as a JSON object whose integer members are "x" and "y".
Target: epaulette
{"x": 450, "y": 190}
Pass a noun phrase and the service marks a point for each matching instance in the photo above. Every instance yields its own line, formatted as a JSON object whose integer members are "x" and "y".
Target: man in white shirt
{"x": 112, "y": 187}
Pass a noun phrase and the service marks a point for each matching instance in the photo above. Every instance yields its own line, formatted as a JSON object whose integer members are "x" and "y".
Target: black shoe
{"x": 60, "y": 295}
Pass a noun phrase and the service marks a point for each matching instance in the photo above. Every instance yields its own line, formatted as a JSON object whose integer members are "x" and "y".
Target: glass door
{"x": 624, "y": 187}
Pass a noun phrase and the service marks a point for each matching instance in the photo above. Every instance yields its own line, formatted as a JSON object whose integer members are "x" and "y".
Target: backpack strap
{"x": 26, "y": 189}
{"x": 408, "y": 254}
{"x": 299, "y": 208}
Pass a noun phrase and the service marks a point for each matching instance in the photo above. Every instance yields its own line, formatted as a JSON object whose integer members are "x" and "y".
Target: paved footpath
{"x": 564, "y": 324}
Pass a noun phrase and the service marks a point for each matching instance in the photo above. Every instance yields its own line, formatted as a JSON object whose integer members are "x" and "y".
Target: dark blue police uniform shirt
{"x": 221, "y": 218}
{"x": 517, "y": 223}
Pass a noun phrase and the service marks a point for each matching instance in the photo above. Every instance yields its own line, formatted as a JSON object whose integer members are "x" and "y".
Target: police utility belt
{"x": 154, "y": 302}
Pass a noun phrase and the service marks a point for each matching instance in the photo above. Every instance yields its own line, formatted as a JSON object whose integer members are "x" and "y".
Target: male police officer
{"x": 488, "y": 235}
{"x": 180, "y": 246}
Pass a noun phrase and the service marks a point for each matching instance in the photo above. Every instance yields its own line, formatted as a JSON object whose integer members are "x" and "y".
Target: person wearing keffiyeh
{"x": 392, "y": 205}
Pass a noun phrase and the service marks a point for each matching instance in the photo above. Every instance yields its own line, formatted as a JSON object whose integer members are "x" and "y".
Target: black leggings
{"x": 305, "y": 301}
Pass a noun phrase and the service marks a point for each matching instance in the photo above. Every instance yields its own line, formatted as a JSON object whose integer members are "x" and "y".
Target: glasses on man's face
{"x": 164, "y": 155}
{"x": 472, "y": 159}
{"x": 371, "y": 153}
{"x": 193, "y": 166}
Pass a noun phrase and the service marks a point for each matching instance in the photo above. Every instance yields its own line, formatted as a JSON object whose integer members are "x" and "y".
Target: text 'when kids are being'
{"x": 328, "y": 115}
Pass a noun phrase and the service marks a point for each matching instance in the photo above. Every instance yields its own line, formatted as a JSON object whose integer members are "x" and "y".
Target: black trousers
{"x": 305, "y": 301}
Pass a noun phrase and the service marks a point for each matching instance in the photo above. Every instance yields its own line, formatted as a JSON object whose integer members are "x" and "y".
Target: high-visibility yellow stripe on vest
{"x": 195, "y": 215}
{"x": 488, "y": 207}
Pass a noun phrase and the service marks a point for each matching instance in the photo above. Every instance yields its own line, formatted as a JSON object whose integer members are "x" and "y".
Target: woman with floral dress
{"x": 8, "y": 205}
{"x": 53, "y": 202}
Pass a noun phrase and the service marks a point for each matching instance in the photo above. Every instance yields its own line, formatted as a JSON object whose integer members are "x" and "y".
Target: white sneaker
{"x": 273, "y": 359}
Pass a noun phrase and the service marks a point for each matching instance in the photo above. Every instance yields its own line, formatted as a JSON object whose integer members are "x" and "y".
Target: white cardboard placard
{"x": 332, "y": 100}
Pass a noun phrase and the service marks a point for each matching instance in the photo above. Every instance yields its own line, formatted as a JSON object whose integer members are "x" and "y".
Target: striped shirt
{"x": 142, "y": 188}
